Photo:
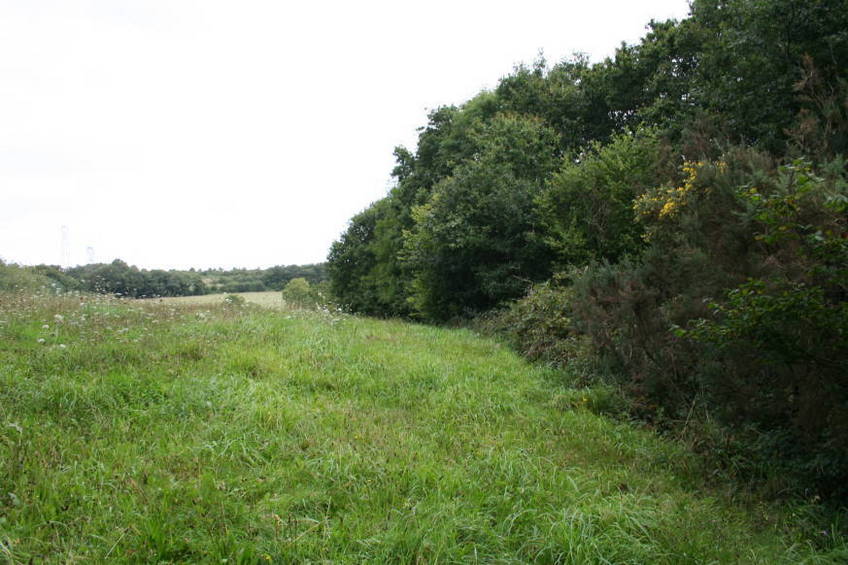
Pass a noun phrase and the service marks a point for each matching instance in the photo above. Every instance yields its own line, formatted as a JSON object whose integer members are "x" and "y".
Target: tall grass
{"x": 136, "y": 431}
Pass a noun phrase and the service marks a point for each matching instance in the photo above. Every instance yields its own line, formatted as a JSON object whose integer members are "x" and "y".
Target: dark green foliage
{"x": 121, "y": 279}
{"x": 821, "y": 131}
{"x": 366, "y": 266}
{"x": 646, "y": 84}
{"x": 700, "y": 245}
{"x": 561, "y": 98}
{"x": 768, "y": 357}
{"x": 627, "y": 318}
{"x": 752, "y": 58}
{"x": 474, "y": 242}
{"x": 734, "y": 312}
{"x": 351, "y": 263}
{"x": 710, "y": 79}
{"x": 778, "y": 344}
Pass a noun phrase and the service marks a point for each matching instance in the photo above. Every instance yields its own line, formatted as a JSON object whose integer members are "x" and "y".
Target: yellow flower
{"x": 668, "y": 208}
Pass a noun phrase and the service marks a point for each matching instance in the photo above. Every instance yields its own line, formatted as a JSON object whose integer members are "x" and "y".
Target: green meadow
{"x": 176, "y": 432}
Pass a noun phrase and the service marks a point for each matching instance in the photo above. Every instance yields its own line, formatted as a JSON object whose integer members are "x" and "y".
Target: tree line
{"x": 121, "y": 279}
{"x": 671, "y": 219}
{"x": 257, "y": 280}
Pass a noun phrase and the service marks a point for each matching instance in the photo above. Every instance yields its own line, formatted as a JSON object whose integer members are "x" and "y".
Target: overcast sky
{"x": 206, "y": 133}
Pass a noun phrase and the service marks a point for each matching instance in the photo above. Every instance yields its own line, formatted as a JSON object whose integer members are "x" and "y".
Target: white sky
{"x": 205, "y": 133}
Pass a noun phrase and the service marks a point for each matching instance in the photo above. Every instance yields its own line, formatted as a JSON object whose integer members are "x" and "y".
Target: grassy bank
{"x": 166, "y": 432}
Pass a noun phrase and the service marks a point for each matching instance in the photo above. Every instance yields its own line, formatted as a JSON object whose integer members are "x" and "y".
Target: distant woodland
{"x": 672, "y": 221}
{"x": 121, "y": 279}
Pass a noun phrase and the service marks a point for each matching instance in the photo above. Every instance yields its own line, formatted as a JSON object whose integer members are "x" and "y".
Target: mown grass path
{"x": 147, "y": 432}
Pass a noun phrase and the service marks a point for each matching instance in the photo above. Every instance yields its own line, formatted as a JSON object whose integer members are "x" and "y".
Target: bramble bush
{"x": 541, "y": 327}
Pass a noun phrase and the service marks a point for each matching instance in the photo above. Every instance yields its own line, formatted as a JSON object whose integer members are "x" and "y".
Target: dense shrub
{"x": 739, "y": 304}
{"x": 300, "y": 294}
{"x": 778, "y": 344}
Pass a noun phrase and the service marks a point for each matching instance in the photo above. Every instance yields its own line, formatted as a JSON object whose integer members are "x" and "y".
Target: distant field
{"x": 186, "y": 432}
{"x": 271, "y": 299}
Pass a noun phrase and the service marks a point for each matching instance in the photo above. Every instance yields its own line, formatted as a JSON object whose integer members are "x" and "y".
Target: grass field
{"x": 269, "y": 299}
{"x": 184, "y": 432}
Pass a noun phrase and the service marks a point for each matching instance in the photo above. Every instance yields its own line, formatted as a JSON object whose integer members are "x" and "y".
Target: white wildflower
{"x": 45, "y": 327}
{"x": 40, "y": 340}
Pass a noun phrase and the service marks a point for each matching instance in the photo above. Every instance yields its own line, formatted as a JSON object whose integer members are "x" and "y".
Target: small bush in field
{"x": 300, "y": 294}
{"x": 234, "y": 301}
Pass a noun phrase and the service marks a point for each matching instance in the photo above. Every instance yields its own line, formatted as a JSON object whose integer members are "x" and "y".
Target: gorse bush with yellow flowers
{"x": 737, "y": 307}
{"x": 729, "y": 321}
{"x": 778, "y": 343}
